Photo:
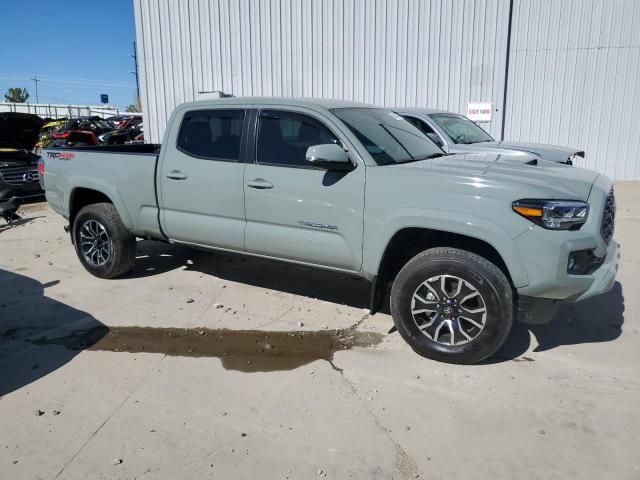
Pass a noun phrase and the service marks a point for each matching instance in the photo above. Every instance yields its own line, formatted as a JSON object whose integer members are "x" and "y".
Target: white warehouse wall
{"x": 572, "y": 72}
{"x": 388, "y": 52}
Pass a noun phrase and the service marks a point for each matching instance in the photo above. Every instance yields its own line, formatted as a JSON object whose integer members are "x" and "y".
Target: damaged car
{"x": 455, "y": 133}
{"x": 18, "y": 164}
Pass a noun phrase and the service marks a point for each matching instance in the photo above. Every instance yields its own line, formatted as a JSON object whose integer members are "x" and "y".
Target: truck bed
{"x": 124, "y": 173}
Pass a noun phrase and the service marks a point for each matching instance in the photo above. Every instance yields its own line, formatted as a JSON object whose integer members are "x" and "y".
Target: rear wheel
{"x": 453, "y": 306}
{"x": 104, "y": 245}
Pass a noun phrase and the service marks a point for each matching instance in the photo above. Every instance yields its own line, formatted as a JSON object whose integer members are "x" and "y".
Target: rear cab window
{"x": 212, "y": 134}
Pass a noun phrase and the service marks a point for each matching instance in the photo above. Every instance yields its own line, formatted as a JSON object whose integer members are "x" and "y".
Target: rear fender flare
{"x": 91, "y": 183}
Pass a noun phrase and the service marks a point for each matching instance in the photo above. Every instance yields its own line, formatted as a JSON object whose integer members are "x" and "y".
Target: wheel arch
{"x": 85, "y": 194}
{"x": 478, "y": 236}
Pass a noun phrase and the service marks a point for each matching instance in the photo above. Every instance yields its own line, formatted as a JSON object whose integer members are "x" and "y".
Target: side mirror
{"x": 435, "y": 139}
{"x": 329, "y": 156}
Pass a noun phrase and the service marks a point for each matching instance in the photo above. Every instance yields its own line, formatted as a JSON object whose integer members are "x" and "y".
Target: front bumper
{"x": 545, "y": 255}
{"x": 26, "y": 190}
{"x": 605, "y": 276}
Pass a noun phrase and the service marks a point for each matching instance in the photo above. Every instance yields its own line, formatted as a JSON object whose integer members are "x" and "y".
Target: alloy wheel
{"x": 449, "y": 310}
{"x": 95, "y": 243}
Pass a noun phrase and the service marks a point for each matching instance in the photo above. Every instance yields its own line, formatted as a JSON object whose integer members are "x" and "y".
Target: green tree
{"x": 16, "y": 95}
{"x": 135, "y": 107}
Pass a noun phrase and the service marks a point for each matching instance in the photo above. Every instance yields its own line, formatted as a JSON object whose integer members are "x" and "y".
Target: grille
{"x": 19, "y": 175}
{"x": 608, "y": 217}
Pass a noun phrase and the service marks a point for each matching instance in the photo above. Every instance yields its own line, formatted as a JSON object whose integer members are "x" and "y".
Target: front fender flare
{"x": 445, "y": 221}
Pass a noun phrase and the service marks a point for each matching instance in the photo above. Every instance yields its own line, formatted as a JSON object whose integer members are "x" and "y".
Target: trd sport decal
{"x": 61, "y": 155}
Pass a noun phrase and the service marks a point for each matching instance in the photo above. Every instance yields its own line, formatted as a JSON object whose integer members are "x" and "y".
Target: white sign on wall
{"x": 479, "y": 112}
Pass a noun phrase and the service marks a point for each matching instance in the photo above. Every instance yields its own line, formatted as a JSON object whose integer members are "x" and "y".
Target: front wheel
{"x": 452, "y": 305}
{"x": 104, "y": 245}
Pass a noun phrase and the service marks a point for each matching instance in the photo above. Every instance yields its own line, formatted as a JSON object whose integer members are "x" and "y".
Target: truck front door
{"x": 200, "y": 179}
{"x": 296, "y": 211}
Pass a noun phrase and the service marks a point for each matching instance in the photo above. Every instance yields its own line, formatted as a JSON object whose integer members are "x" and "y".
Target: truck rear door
{"x": 200, "y": 178}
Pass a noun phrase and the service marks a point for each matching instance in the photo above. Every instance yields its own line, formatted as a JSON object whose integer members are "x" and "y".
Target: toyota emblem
{"x": 28, "y": 177}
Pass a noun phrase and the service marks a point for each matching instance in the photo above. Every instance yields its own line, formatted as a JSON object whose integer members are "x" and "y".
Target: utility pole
{"x": 36, "y": 80}
{"x": 134, "y": 55}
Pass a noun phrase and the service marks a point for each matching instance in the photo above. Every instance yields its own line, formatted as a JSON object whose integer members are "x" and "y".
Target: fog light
{"x": 583, "y": 262}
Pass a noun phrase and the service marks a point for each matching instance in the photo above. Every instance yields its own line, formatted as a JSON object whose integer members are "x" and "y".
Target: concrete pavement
{"x": 558, "y": 401}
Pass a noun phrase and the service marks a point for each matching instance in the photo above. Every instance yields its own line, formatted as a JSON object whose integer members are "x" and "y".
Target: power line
{"x": 36, "y": 80}
{"x": 135, "y": 61}
{"x": 69, "y": 81}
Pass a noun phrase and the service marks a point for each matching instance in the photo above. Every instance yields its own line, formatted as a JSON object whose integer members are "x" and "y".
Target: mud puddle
{"x": 242, "y": 350}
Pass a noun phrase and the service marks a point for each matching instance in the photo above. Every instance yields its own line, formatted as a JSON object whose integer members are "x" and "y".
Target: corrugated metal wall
{"x": 439, "y": 53}
{"x": 574, "y": 77}
{"x": 573, "y": 69}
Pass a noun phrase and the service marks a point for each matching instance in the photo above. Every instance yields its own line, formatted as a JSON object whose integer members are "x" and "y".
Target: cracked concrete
{"x": 559, "y": 401}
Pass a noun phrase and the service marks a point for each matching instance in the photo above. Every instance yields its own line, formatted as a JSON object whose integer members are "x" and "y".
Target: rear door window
{"x": 212, "y": 134}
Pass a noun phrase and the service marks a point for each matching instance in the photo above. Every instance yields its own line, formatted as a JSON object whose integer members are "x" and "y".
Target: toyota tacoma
{"x": 462, "y": 245}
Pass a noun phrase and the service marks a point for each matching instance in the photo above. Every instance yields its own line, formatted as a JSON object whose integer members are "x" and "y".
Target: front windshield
{"x": 460, "y": 129}
{"x": 388, "y": 137}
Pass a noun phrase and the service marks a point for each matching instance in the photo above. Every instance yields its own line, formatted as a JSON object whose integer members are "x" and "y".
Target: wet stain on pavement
{"x": 241, "y": 350}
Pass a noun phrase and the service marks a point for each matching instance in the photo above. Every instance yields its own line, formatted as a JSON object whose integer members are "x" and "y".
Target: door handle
{"x": 259, "y": 183}
{"x": 176, "y": 175}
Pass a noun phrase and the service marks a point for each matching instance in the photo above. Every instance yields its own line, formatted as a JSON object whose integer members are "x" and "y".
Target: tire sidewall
{"x": 91, "y": 213}
{"x": 499, "y": 306}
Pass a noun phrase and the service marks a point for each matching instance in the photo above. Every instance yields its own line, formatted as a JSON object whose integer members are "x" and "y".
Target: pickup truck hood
{"x": 553, "y": 153}
{"x": 530, "y": 177}
{"x": 19, "y": 130}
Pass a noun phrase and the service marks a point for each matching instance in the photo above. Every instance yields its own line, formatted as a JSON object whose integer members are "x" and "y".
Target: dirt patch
{"x": 242, "y": 350}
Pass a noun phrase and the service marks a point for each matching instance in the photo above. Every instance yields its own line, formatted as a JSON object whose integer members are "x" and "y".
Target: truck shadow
{"x": 38, "y": 335}
{"x": 25, "y": 220}
{"x": 597, "y": 319}
{"x": 155, "y": 258}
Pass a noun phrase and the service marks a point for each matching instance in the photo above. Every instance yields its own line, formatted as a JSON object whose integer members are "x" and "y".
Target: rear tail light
{"x": 41, "y": 173}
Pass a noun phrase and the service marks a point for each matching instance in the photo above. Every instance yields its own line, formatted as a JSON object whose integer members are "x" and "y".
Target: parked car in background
{"x": 80, "y": 131}
{"x": 127, "y": 130}
{"x": 18, "y": 164}
{"x": 455, "y": 133}
{"x": 462, "y": 241}
{"x": 47, "y": 129}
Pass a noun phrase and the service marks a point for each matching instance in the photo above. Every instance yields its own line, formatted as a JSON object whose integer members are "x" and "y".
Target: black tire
{"x": 123, "y": 244}
{"x": 477, "y": 273}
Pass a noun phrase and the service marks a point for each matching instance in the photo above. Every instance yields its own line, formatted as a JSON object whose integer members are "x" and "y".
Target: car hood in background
{"x": 19, "y": 130}
{"x": 553, "y": 153}
{"x": 532, "y": 177}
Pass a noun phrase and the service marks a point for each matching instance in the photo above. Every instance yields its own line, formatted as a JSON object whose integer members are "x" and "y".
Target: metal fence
{"x": 47, "y": 110}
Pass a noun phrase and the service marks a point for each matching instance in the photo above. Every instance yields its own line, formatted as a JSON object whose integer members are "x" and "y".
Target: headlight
{"x": 553, "y": 214}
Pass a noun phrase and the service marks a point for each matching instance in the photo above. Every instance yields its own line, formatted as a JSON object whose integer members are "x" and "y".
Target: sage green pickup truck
{"x": 461, "y": 245}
